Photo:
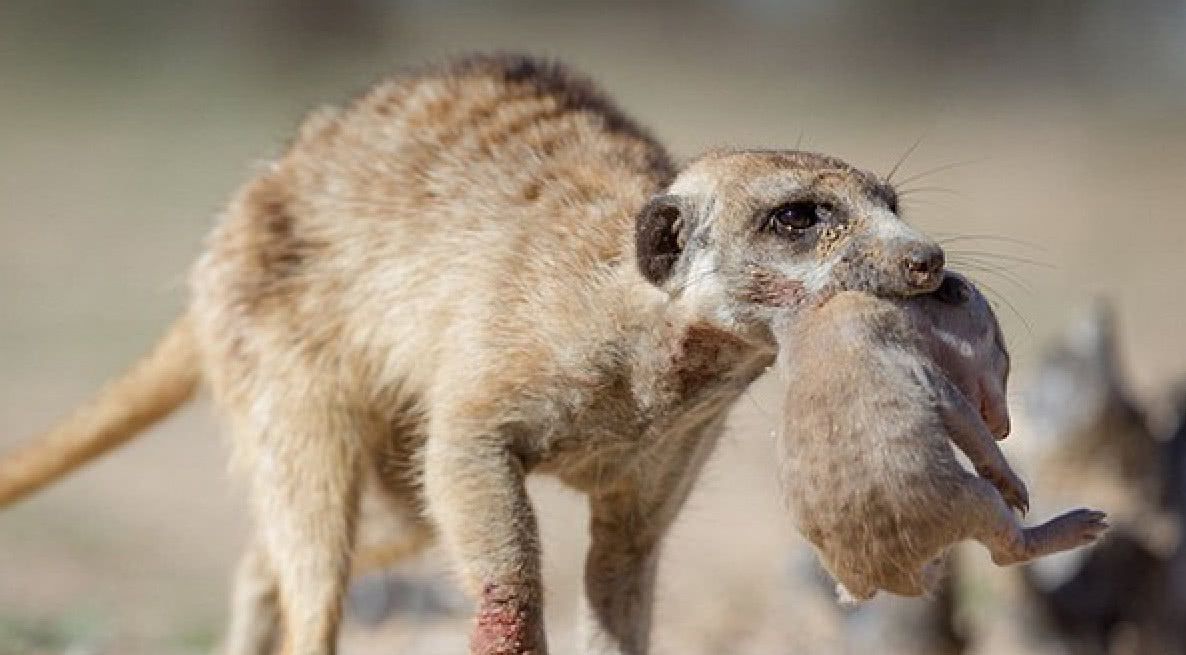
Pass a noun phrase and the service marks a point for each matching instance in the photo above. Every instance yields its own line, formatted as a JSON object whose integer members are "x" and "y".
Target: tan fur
{"x": 879, "y": 389}
{"x": 487, "y": 270}
{"x": 156, "y": 386}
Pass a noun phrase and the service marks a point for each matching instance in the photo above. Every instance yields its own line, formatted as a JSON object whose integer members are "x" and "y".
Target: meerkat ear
{"x": 659, "y": 233}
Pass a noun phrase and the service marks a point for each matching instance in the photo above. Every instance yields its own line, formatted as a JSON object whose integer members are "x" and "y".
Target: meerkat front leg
{"x": 628, "y": 521}
{"x": 968, "y": 432}
{"x": 474, "y": 483}
{"x": 620, "y": 573}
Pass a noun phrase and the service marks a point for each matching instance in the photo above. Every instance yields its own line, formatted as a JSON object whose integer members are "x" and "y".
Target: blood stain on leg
{"x": 504, "y": 622}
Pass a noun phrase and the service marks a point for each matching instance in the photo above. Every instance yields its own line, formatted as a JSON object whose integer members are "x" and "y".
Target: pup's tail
{"x": 159, "y": 383}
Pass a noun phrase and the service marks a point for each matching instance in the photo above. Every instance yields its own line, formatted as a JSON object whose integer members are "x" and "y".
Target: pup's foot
{"x": 1084, "y": 526}
{"x": 1010, "y": 486}
{"x": 1075, "y": 528}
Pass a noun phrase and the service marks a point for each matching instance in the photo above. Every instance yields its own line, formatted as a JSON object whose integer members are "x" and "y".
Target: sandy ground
{"x": 108, "y": 185}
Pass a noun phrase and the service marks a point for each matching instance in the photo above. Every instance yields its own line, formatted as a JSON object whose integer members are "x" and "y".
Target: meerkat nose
{"x": 924, "y": 266}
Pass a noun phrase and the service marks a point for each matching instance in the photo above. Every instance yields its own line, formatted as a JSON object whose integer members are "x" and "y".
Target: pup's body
{"x": 879, "y": 389}
{"x": 472, "y": 274}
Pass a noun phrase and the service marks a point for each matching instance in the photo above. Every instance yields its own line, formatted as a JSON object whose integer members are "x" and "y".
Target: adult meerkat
{"x": 474, "y": 273}
{"x": 879, "y": 391}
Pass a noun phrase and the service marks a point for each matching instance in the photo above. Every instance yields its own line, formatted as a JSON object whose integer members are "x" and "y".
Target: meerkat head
{"x": 745, "y": 235}
{"x": 965, "y": 338}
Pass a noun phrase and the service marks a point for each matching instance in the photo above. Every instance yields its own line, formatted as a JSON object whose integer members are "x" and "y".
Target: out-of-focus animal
{"x": 1128, "y": 595}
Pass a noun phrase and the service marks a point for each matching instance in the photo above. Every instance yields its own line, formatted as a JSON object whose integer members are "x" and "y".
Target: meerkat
{"x": 878, "y": 390}
{"x": 473, "y": 273}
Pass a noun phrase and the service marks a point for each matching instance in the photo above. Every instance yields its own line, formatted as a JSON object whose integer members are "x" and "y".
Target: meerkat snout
{"x": 924, "y": 266}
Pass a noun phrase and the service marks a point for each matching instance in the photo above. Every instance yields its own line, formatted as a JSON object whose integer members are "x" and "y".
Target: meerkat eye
{"x": 798, "y": 216}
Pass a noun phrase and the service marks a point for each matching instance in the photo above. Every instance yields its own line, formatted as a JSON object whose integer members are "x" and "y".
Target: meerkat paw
{"x": 1011, "y": 488}
{"x": 1086, "y": 524}
{"x": 1075, "y": 528}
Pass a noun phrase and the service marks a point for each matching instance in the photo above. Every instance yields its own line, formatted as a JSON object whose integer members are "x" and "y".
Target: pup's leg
{"x": 255, "y": 606}
{"x": 306, "y": 481}
{"x": 995, "y": 526}
{"x": 476, "y": 494}
{"x": 969, "y": 433}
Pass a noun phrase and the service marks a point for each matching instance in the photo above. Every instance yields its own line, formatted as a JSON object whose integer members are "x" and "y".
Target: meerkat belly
{"x": 882, "y": 529}
{"x": 878, "y": 489}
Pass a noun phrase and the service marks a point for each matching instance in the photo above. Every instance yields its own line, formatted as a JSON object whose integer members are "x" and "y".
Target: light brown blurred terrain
{"x": 123, "y": 129}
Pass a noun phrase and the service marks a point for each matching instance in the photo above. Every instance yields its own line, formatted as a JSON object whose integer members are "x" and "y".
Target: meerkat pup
{"x": 470, "y": 274}
{"x": 878, "y": 390}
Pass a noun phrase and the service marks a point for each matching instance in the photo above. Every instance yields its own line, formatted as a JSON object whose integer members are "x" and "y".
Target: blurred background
{"x": 1045, "y": 141}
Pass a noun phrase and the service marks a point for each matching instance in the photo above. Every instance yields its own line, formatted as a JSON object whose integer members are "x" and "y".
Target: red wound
{"x": 505, "y": 623}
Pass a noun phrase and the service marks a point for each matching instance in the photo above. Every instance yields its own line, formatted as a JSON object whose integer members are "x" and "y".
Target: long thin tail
{"x": 149, "y": 391}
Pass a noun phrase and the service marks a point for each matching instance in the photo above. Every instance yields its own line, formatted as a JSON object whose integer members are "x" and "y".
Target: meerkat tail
{"x": 159, "y": 383}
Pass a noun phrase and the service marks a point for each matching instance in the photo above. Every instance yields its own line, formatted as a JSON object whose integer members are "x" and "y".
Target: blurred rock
{"x": 377, "y": 597}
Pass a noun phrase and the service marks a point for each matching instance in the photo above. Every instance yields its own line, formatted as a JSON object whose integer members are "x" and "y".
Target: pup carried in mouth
{"x": 880, "y": 390}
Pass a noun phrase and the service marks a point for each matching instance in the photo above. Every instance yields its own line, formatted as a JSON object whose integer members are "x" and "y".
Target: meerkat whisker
{"x": 1017, "y": 259}
{"x": 998, "y": 296}
{"x": 952, "y": 238}
{"x": 889, "y": 177}
{"x": 992, "y": 269}
{"x": 940, "y": 169}
{"x": 913, "y": 191}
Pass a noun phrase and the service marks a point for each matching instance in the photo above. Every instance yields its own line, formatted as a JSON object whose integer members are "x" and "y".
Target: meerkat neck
{"x": 680, "y": 354}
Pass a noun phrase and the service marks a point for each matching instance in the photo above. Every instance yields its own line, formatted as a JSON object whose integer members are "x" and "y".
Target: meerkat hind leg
{"x": 393, "y": 527}
{"x": 255, "y": 606}
{"x": 1009, "y": 543}
{"x": 306, "y": 510}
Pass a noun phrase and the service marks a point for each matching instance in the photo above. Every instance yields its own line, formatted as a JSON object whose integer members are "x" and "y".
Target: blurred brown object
{"x": 1126, "y": 595}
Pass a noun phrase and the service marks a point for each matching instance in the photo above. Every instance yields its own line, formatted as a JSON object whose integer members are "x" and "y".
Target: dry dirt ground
{"x": 107, "y": 186}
